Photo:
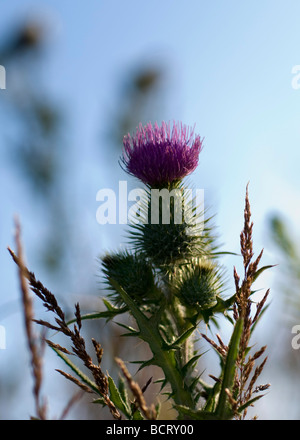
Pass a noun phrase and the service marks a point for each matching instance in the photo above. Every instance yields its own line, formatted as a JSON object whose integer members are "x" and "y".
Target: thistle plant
{"x": 171, "y": 282}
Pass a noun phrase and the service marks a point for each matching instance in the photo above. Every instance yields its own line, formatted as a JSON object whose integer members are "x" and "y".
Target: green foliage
{"x": 174, "y": 267}
{"x": 168, "y": 302}
{"x": 163, "y": 353}
{"x": 120, "y": 401}
{"x": 217, "y": 407}
{"x": 288, "y": 246}
{"x": 229, "y": 369}
{"x": 170, "y": 283}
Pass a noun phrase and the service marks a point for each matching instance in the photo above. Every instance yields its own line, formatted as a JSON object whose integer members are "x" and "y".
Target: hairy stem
{"x": 163, "y": 356}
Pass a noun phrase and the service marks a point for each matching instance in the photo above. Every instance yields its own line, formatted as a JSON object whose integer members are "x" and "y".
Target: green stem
{"x": 163, "y": 356}
{"x": 166, "y": 360}
{"x": 182, "y": 325}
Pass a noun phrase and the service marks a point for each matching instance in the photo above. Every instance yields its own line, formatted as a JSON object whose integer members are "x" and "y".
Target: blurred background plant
{"x": 39, "y": 155}
{"x": 76, "y": 84}
{"x": 286, "y": 244}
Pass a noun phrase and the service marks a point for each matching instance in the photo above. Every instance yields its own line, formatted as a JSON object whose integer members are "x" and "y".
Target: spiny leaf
{"x": 226, "y": 253}
{"x": 123, "y": 390}
{"x": 143, "y": 364}
{"x": 137, "y": 415}
{"x": 146, "y": 364}
{"x": 116, "y": 398}
{"x": 107, "y": 314}
{"x": 229, "y": 368}
{"x": 194, "y": 383}
{"x": 132, "y": 331}
{"x": 190, "y": 364}
{"x": 157, "y": 409}
{"x": 100, "y": 401}
{"x": 163, "y": 383}
{"x": 212, "y": 397}
{"x": 250, "y": 402}
{"x": 176, "y": 344}
{"x": 223, "y": 305}
{"x": 261, "y": 270}
{"x": 196, "y": 415}
{"x": 111, "y": 308}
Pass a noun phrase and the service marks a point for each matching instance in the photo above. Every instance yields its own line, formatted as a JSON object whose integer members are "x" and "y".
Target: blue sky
{"x": 229, "y": 67}
{"x": 230, "y": 74}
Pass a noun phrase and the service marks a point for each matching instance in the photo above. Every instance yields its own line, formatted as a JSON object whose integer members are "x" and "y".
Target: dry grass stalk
{"x": 57, "y": 347}
{"x": 148, "y": 412}
{"x": 35, "y": 347}
{"x": 219, "y": 349}
{"x": 245, "y": 379}
{"x": 233, "y": 403}
{"x": 74, "y": 399}
{"x": 244, "y": 382}
{"x": 78, "y": 342}
{"x": 76, "y": 381}
{"x": 222, "y": 345}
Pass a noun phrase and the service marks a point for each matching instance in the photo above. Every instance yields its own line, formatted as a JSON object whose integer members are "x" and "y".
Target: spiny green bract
{"x": 133, "y": 273}
{"x": 175, "y": 234}
{"x": 169, "y": 244}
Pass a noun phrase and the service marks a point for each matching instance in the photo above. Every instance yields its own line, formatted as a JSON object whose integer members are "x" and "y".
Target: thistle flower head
{"x": 161, "y": 155}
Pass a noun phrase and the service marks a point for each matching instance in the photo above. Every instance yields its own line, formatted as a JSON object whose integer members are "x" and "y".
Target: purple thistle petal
{"x": 161, "y": 155}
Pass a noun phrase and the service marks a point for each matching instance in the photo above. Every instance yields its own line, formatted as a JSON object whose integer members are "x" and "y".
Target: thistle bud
{"x": 132, "y": 273}
{"x": 199, "y": 285}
